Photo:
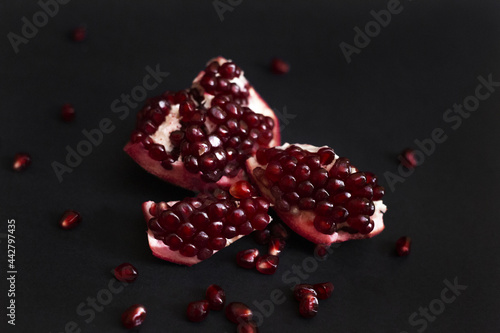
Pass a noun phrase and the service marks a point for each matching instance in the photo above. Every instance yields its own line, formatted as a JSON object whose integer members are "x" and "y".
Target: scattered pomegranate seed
{"x": 241, "y": 190}
{"x": 302, "y": 290}
{"x": 407, "y": 158}
{"x": 324, "y": 290}
{"x": 267, "y": 264}
{"x": 262, "y": 236}
{"x": 79, "y": 34}
{"x": 237, "y": 312}
{"x": 134, "y": 316}
{"x": 278, "y": 66}
{"x": 250, "y": 327}
{"x": 126, "y": 272}
{"x": 321, "y": 250}
{"x": 198, "y": 311}
{"x": 67, "y": 112}
{"x": 308, "y": 306}
{"x": 279, "y": 231}
{"x": 247, "y": 258}
{"x": 70, "y": 219}
{"x": 276, "y": 246}
{"x": 216, "y": 297}
{"x": 21, "y": 161}
{"x": 403, "y": 246}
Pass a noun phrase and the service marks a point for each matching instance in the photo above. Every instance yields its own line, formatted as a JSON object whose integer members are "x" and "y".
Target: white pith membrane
{"x": 302, "y": 221}
{"x": 178, "y": 175}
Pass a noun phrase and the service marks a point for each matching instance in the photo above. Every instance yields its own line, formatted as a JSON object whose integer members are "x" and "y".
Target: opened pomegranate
{"x": 192, "y": 230}
{"x": 203, "y": 135}
{"x": 318, "y": 194}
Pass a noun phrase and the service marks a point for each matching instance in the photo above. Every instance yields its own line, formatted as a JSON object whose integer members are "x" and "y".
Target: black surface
{"x": 392, "y": 93}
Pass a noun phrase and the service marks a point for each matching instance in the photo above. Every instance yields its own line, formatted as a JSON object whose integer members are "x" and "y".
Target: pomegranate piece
{"x": 134, "y": 316}
{"x": 126, "y": 272}
{"x": 324, "y": 198}
{"x": 67, "y": 112}
{"x": 278, "y": 66}
{"x": 21, "y": 161}
{"x": 237, "y": 312}
{"x": 408, "y": 158}
{"x": 302, "y": 290}
{"x": 216, "y": 297}
{"x": 198, "y": 311}
{"x": 324, "y": 290}
{"x": 403, "y": 246}
{"x": 203, "y": 135}
{"x": 192, "y": 230}
{"x": 308, "y": 306}
{"x": 247, "y": 258}
{"x": 79, "y": 34}
{"x": 249, "y": 327}
{"x": 267, "y": 264}
{"x": 70, "y": 219}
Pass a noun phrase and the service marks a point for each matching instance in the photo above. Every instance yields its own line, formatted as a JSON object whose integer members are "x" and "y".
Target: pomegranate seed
{"x": 67, "y": 112}
{"x": 324, "y": 290}
{"x": 238, "y": 312}
{"x": 321, "y": 250}
{"x": 278, "y": 66}
{"x": 378, "y": 193}
{"x": 79, "y": 34}
{"x": 326, "y": 155}
{"x": 308, "y": 306}
{"x": 126, "y": 272}
{"x": 267, "y": 264}
{"x": 403, "y": 246}
{"x": 247, "y": 258}
{"x": 408, "y": 158}
{"x": 229, "y": 70}
{"x": 70, "y": 219}
{"x": 302, "y": 290}
{"x": 198, "y": 311}
{"x": 279, "y": 231}
{"x": 250, "y": 327}
{"x": 241, "y": 189}
{"x": 341, "y": 168}
{"x": 134, "y": 316}
{"x": 325, "y": 225}
{"x": 260, "y": 221}
{"x": 276, "y": 246}
{"x": 21, "y": 161}
{"x": 262, "y": 236}
{"x": 216, "y": 297}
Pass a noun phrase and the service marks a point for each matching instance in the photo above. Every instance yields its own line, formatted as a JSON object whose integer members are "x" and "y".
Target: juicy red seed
{"x": 321, "y": 194}
{"x": 260, "y": 221}
{"x": 287, "y": 183}
{"x": 183, "y": 209}
{"x": 214, "y": 229}
{"x": 355, "y": 180}
{"x": 274, "y": 171}
{"x": 126, "y": 272}
{"x": 313, "y": 162}
{"x": 276, "y": 245}
{"x": 204, "y": 254}
{"x": 234, "y": 111}
{"x": 247, "y": 258}
{"x": 289, "y": 163}
{"x": 324, "y": 208}
{"x": 403, "y": 246}
{"x": 307, "y": 203}
{"x": 237, "y": 312}
{"x": 157, "y": 152}
{"x": 173, "y": 241}
{"x": 222, "y": 85}
{"x": 199, "y": 148}
{"x": 194, "y": 133}
{"x": 262, "y": 236}
{"x": 186, "y": 231}
{"x": 302, "y": 290}
{"x": 21, "y": 161}
{"x": 70, "y": 219}
{"x": 188, "y": 250}
{"x": 334, "y": 186}
{"x": 326, "y": 155}
{"x": 378, "y": 193}
{"x": 408, "y": 158}
{"x": 216, "y": 297}
{"x": 305, "y": 189}
{"x": 325, "y": 225}
{"x": 217, "y": 243}
{"x": 262, "y": 205}
{"x": 241, "y": 189}
{"x": 67, "y": 112}
{"x": 267, "y": 264}
{"x": 200, "y": 240}
{"x": 360, "y": 206}
{"x": 134, "y": 316}
{"x": 217, "y": 211}
{"x": 308, "y": 306}
{"x": 249, "y": 207}
{"x": 292, "y": 197}
{"x": 212, "y": 68}
{"x": 250, "y": 327}
{"x": 361, "y": 223}
{"x": 282, "y": 205}
{"x": 208, "y": 162}
{"x": 278, "y": 66}
{"x": 199, "y": 220}
{"x": 261, "y": 156}
{"x": 148, "y": 127}
{"x": 324, "y": 290}
{"x": 339, "y": 214}
{"x": 229, "y": 70}
{"x": 217, "y": 114}
{"x": 136, "y": 136}
{"x": 229, "y": 231}
{"x": 365, "y": 192}
{"x": 321, "y": 250}
{"x": 191, "y": 164}
{"x": 279, "y": 231}
{"x": 198, "y": 311}
{"x": 245, "y": 228}
{"x": 340, "y": 198}
{"x": 371, "y": 179}
{"x": 209, "y": 82}
{"x": 237, "y": 217}
{"x": 341, "y": 168}
{"x": 79, "y": 34}
{"x": 319, "y": 177}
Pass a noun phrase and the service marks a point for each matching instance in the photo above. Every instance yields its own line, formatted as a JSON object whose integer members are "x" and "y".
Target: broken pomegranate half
{"x": 192, "y": 230}
{"x": 203, "y": 135}
{"x": 318, "y": 194}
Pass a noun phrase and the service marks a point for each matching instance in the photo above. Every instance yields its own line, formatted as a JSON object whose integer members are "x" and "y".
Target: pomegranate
{"x": 318, "y": 194}
{"x": 203, "y": 135}
{"x": 134, "y": 316}
{"x": 192, "y": 230}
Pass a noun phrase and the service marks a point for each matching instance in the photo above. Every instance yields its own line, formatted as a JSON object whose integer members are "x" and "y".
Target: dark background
{"x": 392, "y": 93}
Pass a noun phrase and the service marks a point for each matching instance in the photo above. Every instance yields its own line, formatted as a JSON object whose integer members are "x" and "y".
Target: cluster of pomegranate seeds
{"x": 341, "y": 197}
{"x": 408, "y": 158}
{"x": 21, "y": 161}
{"x": 134, "y": 316}
{"x": 67, "y": 112}
{"x": 79, "y": 34}
{"x": 126, "y": 272}
{"x": 219, "y": 80}
{"x": 70, "y": 219}
{"x": 215, "y": 297}
{"x": 308, "y": 296}
{"x": 278, "y": 66}
{"x": 403, "y": 246}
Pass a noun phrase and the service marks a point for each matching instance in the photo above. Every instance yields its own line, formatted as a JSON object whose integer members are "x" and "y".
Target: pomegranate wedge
{"x": 204, "y": 134}
{"x": 318, "y": 194}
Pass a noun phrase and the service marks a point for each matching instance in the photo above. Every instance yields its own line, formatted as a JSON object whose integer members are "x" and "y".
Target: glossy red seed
{"x": 341, "y": 168}
{"x": 302, "y": 290}
{"x": 250, "y": 327}
{"x": 302, "y": 172}
{"x": 126, "y": 272}
{"x": 21, "y": 161}
{"x": 70, "y": 219}
{"x": 324, "y": 290}
{"x": 229, "y": 70}
{"x": 260, "y": 221}
{"x": 157, "y": 152}
{"x": 361, "y": 223}
{"x": 408, "y": 158}
{"x": 79, "y": 34}
{"x": 355, "y": 180}
{"x": 276, "y": 245}
{"x": 173, "y": 241}
{"x": 267, "y": 264}
{"x": 168, "y": 220}
{"x": 321, "y": 250}
{"x": 278, "y": 230}
{"x": 378, "y": 193}
{"x": 198, "y": 311}
{"x": 237, "y": 217}
{"x": 247, "y": 258}
{"x": 134, "y": 316}
{"x": 67, "y": 112}
{"x": 324, "y": 208}
{"x": 237, "y": 312}
{"x": 326, "y": 155}
{"x": 403, "y": 246}
{"x": 262, "y": 236}
{"x": 241, "y": 189}
{"x": 308, "y": 306}
{"x": 216, "y": 297}
{"x": 360, "y": 206}
{"x": 280, "y": 67}
{"x": 325, "y": 225}
{"x": 274, "y": 171}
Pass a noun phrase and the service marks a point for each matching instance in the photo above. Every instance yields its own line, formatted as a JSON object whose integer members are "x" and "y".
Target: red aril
{"x": 267, "y": 264}
{"x": 302, "y": 290}
{"x": 216, "y": 297}
{"x": 247, "y": 258}
{"x": 308, "y": 306}
{"x": 134, "y": 316}
{"x": 21, "y": 161}
{"x": 324, "y": 290}
{"x": 126, "y": 272}
{"x": 237, "y": 312}
{"x": 198, "y": 311}
{"x": 70, "y": 219}
{"x": 403, "y": 246}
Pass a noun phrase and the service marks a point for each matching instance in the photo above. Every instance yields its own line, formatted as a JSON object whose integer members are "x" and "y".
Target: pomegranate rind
{"x": 302, "y": 221}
